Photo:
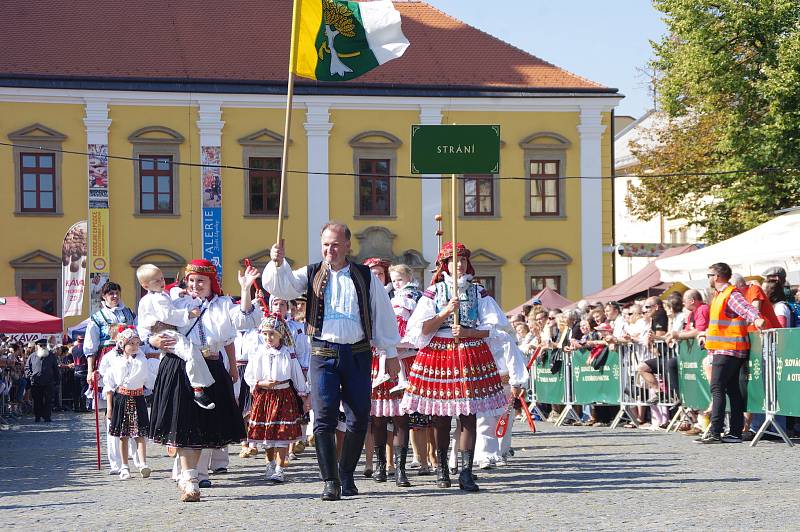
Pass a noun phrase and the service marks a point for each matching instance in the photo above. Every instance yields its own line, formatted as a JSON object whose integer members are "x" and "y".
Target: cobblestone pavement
{"x": 567, "y": 478}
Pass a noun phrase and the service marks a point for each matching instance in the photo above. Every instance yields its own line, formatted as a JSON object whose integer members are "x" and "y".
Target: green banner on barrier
{"x": 787, "y": 365}
{"x": 549, "y": 387}
{"x": 755, "y": 378}
{"x": 694, "y": 387}
{"x": 591, "y": 385}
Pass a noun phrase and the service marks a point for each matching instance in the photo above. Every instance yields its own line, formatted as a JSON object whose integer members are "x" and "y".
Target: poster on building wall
{"x": 98, "y": 232}
{"x": 211, "y": 182}
{"x": 73, "y": 269}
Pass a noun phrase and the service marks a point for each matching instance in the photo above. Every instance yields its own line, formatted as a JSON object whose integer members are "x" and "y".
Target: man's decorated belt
{"x": 325, "y": 349}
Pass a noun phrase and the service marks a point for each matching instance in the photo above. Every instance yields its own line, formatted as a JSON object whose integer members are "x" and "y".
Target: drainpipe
{"x": 613, "y": 207}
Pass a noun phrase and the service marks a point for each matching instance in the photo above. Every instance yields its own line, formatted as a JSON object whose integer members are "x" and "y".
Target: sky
{"x": 603, "y": 40}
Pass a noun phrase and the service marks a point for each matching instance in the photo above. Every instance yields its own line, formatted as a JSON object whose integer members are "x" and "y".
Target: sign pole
{"x": 454, "y": 273}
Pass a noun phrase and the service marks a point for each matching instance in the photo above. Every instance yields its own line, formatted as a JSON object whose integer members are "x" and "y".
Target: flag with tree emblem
{"x": 338, "y": 40}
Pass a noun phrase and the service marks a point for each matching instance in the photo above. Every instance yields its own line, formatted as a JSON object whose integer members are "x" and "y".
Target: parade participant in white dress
{"x": 511, "y": 364}
{"x": 454, "y": 373}
{"x": 159, "y": 314}
{"x": 125, "y": 381}
{"x": 176, "y": 420}
{"x": 276, "y": 380}
{"x": 348, "y": 312}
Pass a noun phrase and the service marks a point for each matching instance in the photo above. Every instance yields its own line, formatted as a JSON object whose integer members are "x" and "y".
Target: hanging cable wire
{"x": 420, "y": 177}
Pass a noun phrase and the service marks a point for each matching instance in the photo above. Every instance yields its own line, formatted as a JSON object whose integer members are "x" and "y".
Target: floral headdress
{"x": 444, "y": 256}
{"x": 207, "y": 268}
{"x": 276, "y": 323}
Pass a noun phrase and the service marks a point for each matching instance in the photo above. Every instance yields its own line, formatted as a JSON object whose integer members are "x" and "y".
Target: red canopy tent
{"x": 548, "y": 297}
{"x": 17, "y": 317}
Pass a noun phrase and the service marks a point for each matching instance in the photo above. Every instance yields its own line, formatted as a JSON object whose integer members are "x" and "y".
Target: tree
{"x": 730, "y": 89}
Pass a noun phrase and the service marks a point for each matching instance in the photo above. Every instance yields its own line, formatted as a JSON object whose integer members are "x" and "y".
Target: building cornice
{"x": 556, "y": 102}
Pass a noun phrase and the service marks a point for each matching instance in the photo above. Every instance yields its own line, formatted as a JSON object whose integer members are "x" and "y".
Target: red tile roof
{"x": 246, "y": 41}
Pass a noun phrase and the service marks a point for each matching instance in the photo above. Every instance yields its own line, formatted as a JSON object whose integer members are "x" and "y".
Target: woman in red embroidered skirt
{"x": 454, "y": 373}
{"x": 276, "y": 379}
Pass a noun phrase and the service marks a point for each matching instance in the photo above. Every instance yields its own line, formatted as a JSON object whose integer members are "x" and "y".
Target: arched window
{"x": 546, "y": 268}
{"x": 156, "y": 177}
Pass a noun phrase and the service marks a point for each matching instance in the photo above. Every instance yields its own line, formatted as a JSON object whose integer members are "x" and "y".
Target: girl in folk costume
{"x": 125, "y": 380}
{"x": 301, "y": 349}
{"x": 387, "y": 395}
{"x": 272, "y": 374}
{"x": 454, "y": 373}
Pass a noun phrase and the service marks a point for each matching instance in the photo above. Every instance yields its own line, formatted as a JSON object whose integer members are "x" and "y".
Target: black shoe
{"x": 380, "y": 465}
{"x": 332, "y": 491}
{"x": 466, "y": 481}
{"x": 400, "y": 457}
{"x": 325, "y": 447}
{"x": 730, "y": 438}
{"x": 203, "y": 400}
{"x": 219, "y": 471}
{"x": 748, "y": 435}
{"x": 709, "y": 438}
{"x": 442, "y": 471}
{"x": 351, "y": 452}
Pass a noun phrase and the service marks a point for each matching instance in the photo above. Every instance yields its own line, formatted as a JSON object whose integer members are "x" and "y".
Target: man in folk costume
{"x": 100, "y": 339}
{"x": 348, "y": 312}
{"x": 454, "y": 373}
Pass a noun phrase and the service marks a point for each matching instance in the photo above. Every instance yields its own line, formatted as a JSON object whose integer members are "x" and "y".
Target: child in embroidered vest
{"x": 162, "y": 315}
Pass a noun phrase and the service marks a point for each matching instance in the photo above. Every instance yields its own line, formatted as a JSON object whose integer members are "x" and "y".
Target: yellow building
{"x": 215, "y": 78}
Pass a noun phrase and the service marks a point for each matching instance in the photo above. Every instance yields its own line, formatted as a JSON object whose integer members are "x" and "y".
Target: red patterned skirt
{"x": 443, "y": 382}
{"x": 384, "y": 403}
{"x": 274, "y": 418}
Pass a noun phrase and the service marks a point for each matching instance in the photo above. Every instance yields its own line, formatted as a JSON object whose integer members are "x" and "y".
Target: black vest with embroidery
{"x": 318, "y": 275}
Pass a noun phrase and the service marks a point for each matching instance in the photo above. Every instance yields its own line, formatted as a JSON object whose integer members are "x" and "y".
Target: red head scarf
{"x": 376, "y": 262}
{"x": 207, "y": 268}
{"x": 444, "y": 256}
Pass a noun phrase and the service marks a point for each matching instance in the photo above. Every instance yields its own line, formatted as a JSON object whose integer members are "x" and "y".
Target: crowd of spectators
{"x": 646, "y": 321}
{"x": 17, "y": 375}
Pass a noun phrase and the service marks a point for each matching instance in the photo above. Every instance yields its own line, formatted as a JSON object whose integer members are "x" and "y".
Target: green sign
{"x": 549, "y": 387}
{"x": 591, "y": 385}
{"x": 694, "y": 386}
{"x": 467, "y": 149}
{"x": 787, "y": 365}
{"x": 756, "y": 394}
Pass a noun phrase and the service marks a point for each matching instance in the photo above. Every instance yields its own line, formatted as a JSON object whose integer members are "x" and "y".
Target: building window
{"x": 486, "y": 281}
{"x": 478, "y": 195}
{"x": 540, "y": 282}
{"x": 264, "y": 184}
{"x": 41, "y": 294}
{"x": 544, "y": 200}
{"x": 37, "y": 181}
{"x": 374, "y": 187}
{"x": 155, "y": 184}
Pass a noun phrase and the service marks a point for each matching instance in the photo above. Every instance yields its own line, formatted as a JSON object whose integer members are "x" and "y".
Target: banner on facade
{"x": 211, "y": 182}
{"x": 591, "y": 385}
{"x": 99, "y": 257}
{"x": 73, "y": 269}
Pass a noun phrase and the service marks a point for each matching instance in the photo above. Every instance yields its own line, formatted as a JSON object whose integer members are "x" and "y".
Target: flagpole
{"x": 288, "y": 121}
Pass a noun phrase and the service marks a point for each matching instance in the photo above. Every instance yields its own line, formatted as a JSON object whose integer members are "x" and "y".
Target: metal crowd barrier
{"x": 635, "y": 391}
{"x": 769, "y": 357}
